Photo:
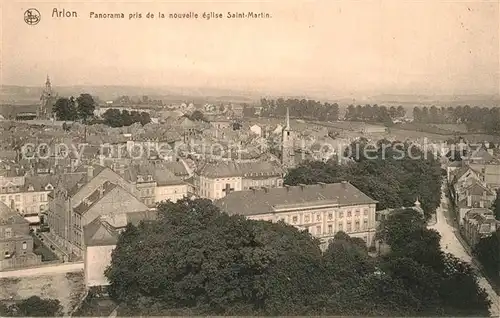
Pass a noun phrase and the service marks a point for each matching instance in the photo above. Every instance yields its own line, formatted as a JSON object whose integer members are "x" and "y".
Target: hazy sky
{"x": 425, "y": 46}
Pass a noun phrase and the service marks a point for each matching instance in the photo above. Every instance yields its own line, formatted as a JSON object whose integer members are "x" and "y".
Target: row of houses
{"x": 473, "y": 183}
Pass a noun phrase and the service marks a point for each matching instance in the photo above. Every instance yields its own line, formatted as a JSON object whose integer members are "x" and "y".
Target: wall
{"x": 317, "y": 221}
{"x": 171, "y": 192}
{"x": 96, "y": 259}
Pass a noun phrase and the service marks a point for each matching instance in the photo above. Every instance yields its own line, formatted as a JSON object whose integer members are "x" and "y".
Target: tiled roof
{"x": 8, "y": 216}
{"x": 263, "y": 201}
{"x": 93, "y": 198}
{"x": 99, "y": 233}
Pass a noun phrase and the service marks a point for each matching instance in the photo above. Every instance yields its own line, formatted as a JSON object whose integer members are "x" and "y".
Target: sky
{"x": 342, "y": 47}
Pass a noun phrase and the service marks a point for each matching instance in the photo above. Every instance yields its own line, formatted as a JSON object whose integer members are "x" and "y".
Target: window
{"x": 318, "y": 229}
{"x": 294, "y": 219}
{"x": 341, "y": 214}
{"x": 318, "y": 217}
{"x": 18, "y": 198}
{"x": 356, "y": 225}
{"x": 365, "y": 212}
{"x": 42, "y": 197}
{"x": 349, "y": 213}
{"x": 357, "y": 213}
{"x": 307, "y": 218}
{"x": 330, "y": 216}
{"x": 8, "y": 232}
{"x": 2, "y": 198}
{"x": 25, "y": 245}
{"x": 349, "y": 226}
{"x": 365, "y": 223}
{"x": 341, "y": 226}
{"x": 330, "y": 229}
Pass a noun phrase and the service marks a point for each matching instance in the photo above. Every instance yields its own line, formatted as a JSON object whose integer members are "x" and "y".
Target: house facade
{"x": 478, "y": 223}
{"x": 16, "y": 244}
{"x": 214, "y": 180}
{"x": 322, "y": 209}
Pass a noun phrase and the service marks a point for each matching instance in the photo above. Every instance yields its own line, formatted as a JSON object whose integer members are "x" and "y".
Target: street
{"x": 450, "y": 244}
{"x": 44, "y": 270}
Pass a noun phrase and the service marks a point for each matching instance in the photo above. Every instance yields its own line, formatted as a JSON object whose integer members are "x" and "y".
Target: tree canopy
{"x": 32, "y": 307}
{"x": 391, "y": 176}
{"x": 86, "y": 106}
{"x": 195, "y": 260}
{"x": 65, "y": 109}
{"x": 305, "y": 109}
{"x": 115, "y": 118}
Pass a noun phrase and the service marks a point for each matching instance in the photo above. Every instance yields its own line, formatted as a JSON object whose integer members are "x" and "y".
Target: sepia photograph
{"x": 203, "y": 158}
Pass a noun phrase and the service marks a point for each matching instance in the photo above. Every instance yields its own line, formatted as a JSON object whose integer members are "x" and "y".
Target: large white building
{"x": 321, "y": 209}
{"x": 214, "y": 180}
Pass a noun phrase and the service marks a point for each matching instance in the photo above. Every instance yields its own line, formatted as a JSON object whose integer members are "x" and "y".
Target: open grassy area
{"x": 44, "y": 251}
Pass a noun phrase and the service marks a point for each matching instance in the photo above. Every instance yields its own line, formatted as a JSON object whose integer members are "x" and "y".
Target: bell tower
{"x": 287, "y": 143}
{"x": 46, "y": 101}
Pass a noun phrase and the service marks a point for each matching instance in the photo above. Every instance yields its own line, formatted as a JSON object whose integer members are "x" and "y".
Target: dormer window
{"x": 150, "y": 178}
{"x": 49, "y": 187}
{"x": 140, "y": 179}
{"x": 30, "y": 188}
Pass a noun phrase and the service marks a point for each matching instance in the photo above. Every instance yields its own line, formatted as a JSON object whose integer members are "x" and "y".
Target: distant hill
{"x": 22, "y": 95}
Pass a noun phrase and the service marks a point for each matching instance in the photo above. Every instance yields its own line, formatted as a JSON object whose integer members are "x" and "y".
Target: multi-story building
{"x": 478, "y": 223}
{"x": 16, "y": 244}
{"x": 100, "y": 238}
{"x": 80, "y": 197}
{"x": 321, "y": 209}
{"x": 215, "y": 180}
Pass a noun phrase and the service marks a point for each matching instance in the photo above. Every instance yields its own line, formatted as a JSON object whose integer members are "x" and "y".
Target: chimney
{"x": 90, "y": 173}
{"x": 287, "y": 187}
{"x": 322, "y": 184}
{"x": 253, "y": 189}
{"x": 266, "y": 190}
{"x": 302, "y": 186}
{"x": 344, "y": 183}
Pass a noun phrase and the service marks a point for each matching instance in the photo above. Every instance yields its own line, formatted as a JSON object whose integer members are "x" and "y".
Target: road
{"x": 44, "y": 270}
{"x": 450, "y": 244}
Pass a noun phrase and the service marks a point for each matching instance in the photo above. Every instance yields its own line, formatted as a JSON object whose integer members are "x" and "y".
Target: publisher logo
{"x": 32, "y": 16}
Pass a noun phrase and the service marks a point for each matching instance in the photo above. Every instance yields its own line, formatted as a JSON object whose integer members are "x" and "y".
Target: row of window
{"x": 307, "y": 218}
{"x": 17, "y": 198}
{"x": 340, "y": 227}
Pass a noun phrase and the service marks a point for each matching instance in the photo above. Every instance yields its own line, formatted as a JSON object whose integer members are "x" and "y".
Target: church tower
{"x": 46, "y": 101}
{"x": 287, "y": 143}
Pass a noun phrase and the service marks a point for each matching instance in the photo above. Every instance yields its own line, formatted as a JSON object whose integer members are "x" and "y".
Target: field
{"x": 67, "y": 287}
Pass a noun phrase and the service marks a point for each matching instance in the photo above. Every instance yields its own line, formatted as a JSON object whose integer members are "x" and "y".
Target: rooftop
{"x": 271, "y": 200}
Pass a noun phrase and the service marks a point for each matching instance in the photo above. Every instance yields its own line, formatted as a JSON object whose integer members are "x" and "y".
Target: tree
{"x": 65, "y": 109}
{"x": 487, "y": 251}
{"x": 197, "y": 116}
{"x": 86, "y": 106}
{"x": 496, "y": 205}
{"x": 248, "y": 111}
{"x": 33, "y": 307}
{"x": 113, "y": 117}
{"x": 213, "y": 263}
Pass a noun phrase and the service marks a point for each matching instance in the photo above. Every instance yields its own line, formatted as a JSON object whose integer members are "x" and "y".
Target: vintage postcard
{"x": 249, "y": 158}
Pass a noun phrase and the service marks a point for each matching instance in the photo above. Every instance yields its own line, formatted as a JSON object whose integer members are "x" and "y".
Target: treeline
{"x": 304, "y": 109}
{"x": 374, "y": 113}
{"x": 477, "y": 119}
{"x": 72, "y": 109}
{"x": 195, "y": 260}
{"x": 115, "y": 118}
{"x": 394, "y": 174}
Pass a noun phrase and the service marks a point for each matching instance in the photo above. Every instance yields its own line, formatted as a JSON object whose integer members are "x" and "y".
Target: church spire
{"x": 287, "y": 118}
